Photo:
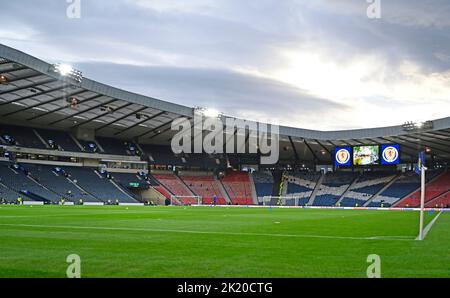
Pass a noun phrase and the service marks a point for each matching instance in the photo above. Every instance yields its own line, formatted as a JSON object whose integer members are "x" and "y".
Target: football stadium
{"x": 88, "y": 169}
{"x": 100, "y": 182}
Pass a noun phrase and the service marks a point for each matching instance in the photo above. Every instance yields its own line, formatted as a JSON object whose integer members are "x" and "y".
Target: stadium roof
{"x": 33, "y": 94}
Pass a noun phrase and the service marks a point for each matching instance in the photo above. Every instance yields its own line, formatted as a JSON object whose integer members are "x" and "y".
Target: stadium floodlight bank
{"x": 185, "y": 200}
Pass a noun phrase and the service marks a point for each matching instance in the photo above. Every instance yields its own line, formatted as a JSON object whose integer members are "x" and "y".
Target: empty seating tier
{"x": 59, "y": 139}
{"x": 97, "y": 185}
{"x": 175, "y": 186}
{"x": 433, "y": 189}
{"x": 20, "y": 136}
{"x": 206, "y": 187}
{"x": 238, "y": 187}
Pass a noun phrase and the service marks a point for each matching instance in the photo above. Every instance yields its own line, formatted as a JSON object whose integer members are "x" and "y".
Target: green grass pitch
{"x": 120, "y": 241}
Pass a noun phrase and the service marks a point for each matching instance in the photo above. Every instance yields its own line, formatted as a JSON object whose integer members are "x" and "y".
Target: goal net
{"x": 185, "y": 200}
{"x": 284, "y": 200}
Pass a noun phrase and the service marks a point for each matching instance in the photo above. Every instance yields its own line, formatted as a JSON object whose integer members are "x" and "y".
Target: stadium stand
{"x": 203, "y": 161}
{"x": 175, "y": 186}
{"x": 97, "y": 185}
{"x": 206, "y": 187}
{"x": 59, "y": 140}
{"x": 54, "y": 178}
{"x": 117, "y": 147}
{"x": 405, "y": 185}
{"x": 263, "y": 183}
{"x": 16, "y": 177}
{"x": 237, "y": 185}
{"x": 20, "y": 136}
{"x": 333, "y": 187}
{"x": 124, "y": 180}
{"x": 89, "y": 146}
{"x": 7, "y": 195}
{"x": 43, "y": 101}
{"x": 435, "y": 188}
{"x": 162, "y": 155}
{"x": 442, "y": 201}
{"x": 367, "y": 185}
{"x": 301, "y": 186}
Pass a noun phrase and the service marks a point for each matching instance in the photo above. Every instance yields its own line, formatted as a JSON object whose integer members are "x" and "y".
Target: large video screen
{"x": 342, "y": 156}
{"x": 390, "y": 154}
{"x": 366, "y": 155}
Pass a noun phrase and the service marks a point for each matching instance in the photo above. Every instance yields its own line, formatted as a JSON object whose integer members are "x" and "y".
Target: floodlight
{"x": 3, "y": 79}
{"x": 64, "y": 69}
{"x": 208, "y": 112}
{"x": 420, "y": 125}
{"x": 212, "y": 113}
{"x": 67, "y": 70}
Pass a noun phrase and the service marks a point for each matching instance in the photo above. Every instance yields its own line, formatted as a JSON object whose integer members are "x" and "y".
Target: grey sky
{"x": 319, "y": 64}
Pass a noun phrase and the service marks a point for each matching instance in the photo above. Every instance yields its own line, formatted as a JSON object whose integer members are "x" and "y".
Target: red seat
{"x": 433, "y": 190}
{"x": 238, "y": 186}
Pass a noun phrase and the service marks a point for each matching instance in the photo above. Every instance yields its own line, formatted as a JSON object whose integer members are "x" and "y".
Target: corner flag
{"x": 420, "y": 163}
{"x": 420, "y": 169}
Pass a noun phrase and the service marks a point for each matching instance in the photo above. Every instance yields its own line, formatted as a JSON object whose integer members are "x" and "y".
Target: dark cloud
{"x": 230, "y": 92}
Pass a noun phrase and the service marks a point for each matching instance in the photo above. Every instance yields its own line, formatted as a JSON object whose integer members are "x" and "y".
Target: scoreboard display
{"x": 367, "y": 155}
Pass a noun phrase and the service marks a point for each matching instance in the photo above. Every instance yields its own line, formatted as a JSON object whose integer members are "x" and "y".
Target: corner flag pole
{"x": 422, "y": 200}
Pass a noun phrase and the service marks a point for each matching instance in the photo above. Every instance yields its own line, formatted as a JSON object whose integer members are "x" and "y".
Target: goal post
{"x": 292, "y": 200}
{"x": 185, "y": 200}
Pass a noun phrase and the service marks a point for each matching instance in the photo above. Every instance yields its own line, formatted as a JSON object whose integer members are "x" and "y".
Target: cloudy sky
{"x": 319, "y": 64}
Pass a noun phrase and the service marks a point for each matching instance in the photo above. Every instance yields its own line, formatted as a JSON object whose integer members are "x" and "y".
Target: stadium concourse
{"x": 65, "y": 137}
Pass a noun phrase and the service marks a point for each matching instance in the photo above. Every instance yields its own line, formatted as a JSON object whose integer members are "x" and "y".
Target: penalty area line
{"x": 372, "y": 238}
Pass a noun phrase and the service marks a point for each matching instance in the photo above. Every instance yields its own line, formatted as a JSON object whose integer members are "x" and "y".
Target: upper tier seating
{"x": 97, "y": 185}
{"x": 20, "y": 136}
{"x": 202, "y": 161}
{"x": 62, "y": 140}
{"x": 162, "y": 155}
{"x": 433, "y": 190}
{"x": 89, "y": 146}
{"x": 206, "y": 187}
{"x": 117, "y": 147}
{"x": 238, "y": 187}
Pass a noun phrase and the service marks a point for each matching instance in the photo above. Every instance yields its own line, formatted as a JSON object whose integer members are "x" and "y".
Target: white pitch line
{"x": 428, "y": 227}
{"x": 389, "y": 238}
